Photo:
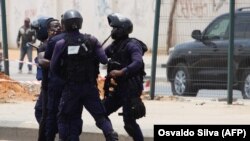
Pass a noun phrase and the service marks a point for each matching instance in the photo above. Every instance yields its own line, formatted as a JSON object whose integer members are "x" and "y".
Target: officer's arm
{"x": 49, "y": 49}
{"x": 108, "y": 51}
{"x": 136, "y": 57}
{"x": 100, "y": 54}
{"x": 56, "y": 56}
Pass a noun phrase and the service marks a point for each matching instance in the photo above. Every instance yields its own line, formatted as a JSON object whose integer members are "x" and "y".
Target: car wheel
{"x": 245, "y": 84}
{"x": 181, "y": 84}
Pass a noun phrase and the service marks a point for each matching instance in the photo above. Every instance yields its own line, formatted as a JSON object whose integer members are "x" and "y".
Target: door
{"x": 212, "y": 64}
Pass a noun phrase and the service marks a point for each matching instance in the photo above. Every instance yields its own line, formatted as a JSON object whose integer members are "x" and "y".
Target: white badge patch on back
{"x": 73, "y": 50}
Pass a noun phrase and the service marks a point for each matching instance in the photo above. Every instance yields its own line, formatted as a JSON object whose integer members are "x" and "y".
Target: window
{"x": 242, "y": 27}
{"x": 218, "y": 29}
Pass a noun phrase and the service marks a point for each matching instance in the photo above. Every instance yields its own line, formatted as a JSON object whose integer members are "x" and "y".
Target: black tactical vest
{"x": 79, "y": 63}
{"x": 121, "y": 55}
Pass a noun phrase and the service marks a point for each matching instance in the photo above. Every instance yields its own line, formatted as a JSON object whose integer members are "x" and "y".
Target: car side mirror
{"x": 196, "y": 34}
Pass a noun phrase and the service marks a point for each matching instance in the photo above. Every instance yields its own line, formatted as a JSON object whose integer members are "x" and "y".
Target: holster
{"x": 138, "y": 109}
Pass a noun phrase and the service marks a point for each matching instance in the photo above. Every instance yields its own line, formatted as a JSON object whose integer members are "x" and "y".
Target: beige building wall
{"x": 94, "y": 12}
{"x": 189, "y": 15}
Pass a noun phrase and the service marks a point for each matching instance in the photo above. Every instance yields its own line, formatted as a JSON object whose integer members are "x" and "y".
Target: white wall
{"x": 197, "y": 14}
{"x": 190, "y": 15}
{"x": 94, "y": 13}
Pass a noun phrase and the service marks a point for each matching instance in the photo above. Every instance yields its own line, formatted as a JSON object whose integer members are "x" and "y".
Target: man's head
{"x": 54, "y": 27}
{"x": 41, "y": 27}
{"x": 72, "y": 20}
{"x": 27, "y": 22}
{"x": 122, "y": 26}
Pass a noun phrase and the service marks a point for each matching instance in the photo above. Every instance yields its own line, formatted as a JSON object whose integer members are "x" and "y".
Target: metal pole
{"x": 155, "y": 48}
{"x": 5, "y": 40}
{"x": 230, "y": 54}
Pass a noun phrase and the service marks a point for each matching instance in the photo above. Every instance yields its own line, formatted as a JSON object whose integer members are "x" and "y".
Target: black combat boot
{"x": 113, "y": 136}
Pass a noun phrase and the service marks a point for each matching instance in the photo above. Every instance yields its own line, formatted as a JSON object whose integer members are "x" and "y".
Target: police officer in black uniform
{"x": 126, "y": 68}
{"x": 76, "y": 60}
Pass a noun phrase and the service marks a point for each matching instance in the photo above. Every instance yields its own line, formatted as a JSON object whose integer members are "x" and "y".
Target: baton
{"x": 30, "y": 44}
{"x": 106, "y": 40}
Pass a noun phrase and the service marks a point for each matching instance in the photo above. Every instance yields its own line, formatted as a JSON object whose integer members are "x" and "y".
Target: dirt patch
{"x": 11, "y": 90}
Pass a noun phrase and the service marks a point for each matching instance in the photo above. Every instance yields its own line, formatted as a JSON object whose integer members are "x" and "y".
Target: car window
{"x": 218, "y": 29}
{"x": 242, "y": 27}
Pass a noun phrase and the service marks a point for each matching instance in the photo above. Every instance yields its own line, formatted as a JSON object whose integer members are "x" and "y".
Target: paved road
{"x": 162, "y": 87}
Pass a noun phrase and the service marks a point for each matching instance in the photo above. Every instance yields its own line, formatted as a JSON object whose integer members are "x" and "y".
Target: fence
{"x": 178, "y": 18}
{"x": 201, "y": 68}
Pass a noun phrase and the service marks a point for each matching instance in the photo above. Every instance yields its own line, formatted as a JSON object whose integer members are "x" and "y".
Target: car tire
{"x": 181, "y": 84}
{"x": 245, "y": 84}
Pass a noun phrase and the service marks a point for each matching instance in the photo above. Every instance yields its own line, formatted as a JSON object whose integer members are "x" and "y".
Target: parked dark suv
{"x": 202, "y": 63}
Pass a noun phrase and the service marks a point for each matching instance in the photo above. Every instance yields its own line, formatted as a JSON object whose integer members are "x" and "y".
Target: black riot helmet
{"x": 72, "y": 20}
{"x": 40, "y": 26}
{"x": 122, "y": 26}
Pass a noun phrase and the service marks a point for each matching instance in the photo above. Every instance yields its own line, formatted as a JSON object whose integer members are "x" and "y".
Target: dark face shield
{"x": 118, "y": 33}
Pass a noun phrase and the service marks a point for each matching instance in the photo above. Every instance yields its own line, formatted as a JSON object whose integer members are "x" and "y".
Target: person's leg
{"x": 112, "y": 104}
{"x": 131, "y": 127}
{"x": 38, "y": 108}
{"x": 69, "y": 117}
{"x": 93, "y": 104}
{"x": 22, "y": 55}
{"x": 54, "y": 95}
{"x": 29, "y": 54}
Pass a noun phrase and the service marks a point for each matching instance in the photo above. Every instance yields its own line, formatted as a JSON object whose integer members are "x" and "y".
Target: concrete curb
{"x": 17, "y": 122}
{"x": 30, "y": 134}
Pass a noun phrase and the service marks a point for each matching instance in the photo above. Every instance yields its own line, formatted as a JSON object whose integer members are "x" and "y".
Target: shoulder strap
{"x": 142, "y": 44}
{"x": 82, "y": 38}
{"x": 87, "y": 41}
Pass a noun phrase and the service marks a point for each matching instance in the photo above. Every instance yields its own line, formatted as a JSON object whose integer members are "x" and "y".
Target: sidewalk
{"x": 17, "y": 120}
{"x": 161, "y": 57}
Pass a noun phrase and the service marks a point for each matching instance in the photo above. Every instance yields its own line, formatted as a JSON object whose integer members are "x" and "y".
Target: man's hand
{"x": 42, "y": 61}
{"x": 116, "y": 73}
{"x": 18, "y": 44}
